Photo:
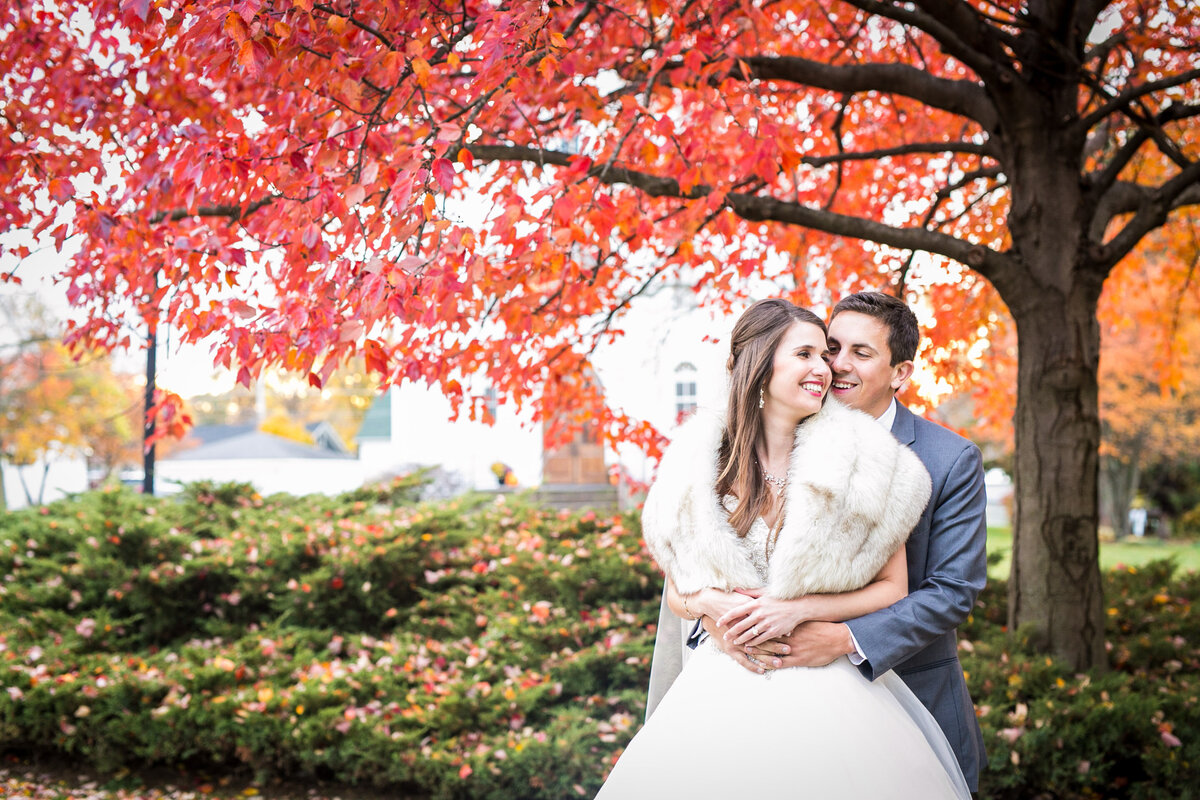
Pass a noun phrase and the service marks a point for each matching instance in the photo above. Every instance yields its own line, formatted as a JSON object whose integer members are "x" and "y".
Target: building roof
{"x": 377, "y": 424}
{"x": 253, "y": 444}
{"x": 326, "y": 436}
{"x": 207, "y": 434}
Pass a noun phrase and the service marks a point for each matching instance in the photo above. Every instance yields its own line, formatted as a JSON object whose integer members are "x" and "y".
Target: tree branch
{"x": 756, "y": 208}
{"x": 960, "y": 97}
{"x": 1086, "y": 14}
{"x": 587, "y": 9}
{"x": 235, "y": 213}
{"x": 1150, "y": 208}
{"x": 956, "y": 26}
{"x": 1101, "y": 51}
{"x": 1129, "y": 95}
{"x": 362, "y": 26}
{"x": 1101, "y": 181}
{"x": 836, "y": 131}
{"x": 918, "y": 148}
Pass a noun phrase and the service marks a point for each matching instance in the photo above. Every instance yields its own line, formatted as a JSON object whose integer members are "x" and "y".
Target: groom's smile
{"x": 863, "y": 375}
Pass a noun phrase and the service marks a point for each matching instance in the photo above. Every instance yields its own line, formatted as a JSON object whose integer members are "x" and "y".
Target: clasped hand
{"x": 760, "y": 619}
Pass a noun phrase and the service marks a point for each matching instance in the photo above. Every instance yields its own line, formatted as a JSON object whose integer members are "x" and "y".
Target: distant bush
{"x": 1187, "y": 526}
{"x": 399, "y": 490}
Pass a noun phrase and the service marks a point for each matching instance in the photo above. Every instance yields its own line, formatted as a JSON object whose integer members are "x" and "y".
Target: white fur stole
{"x": 853, "y": 495}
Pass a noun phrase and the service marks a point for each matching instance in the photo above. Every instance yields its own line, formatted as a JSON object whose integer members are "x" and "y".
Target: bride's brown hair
{"x": 751, "y": 363}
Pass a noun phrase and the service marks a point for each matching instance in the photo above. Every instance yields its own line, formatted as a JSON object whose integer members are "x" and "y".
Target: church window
{"x": 685, "y": 389}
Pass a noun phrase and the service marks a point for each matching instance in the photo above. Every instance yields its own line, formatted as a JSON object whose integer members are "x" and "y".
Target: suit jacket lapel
{"x": 904, "y": 426}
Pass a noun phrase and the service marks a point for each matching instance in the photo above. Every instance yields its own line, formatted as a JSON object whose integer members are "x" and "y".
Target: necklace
{"x": 779, "y": 483}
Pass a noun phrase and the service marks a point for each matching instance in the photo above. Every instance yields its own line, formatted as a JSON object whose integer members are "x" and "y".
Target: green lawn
{"x": 1128, "y": 551}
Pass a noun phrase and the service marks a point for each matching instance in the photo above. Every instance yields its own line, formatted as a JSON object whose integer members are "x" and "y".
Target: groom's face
{"x": 863, "y": 374}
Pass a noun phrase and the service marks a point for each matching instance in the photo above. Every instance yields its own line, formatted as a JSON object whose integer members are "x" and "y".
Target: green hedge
{"x": 468, "y": 649}
{"x": 1131, "y": 731}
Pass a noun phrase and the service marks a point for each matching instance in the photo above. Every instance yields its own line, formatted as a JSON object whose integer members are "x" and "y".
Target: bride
{"x": 790, "y": 508}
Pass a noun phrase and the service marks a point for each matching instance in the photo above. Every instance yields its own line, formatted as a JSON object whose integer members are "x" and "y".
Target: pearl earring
{"x": 761, "y": 400}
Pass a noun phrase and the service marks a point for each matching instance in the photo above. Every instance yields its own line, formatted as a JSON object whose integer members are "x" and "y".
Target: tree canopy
{"x": 301, "y": 181}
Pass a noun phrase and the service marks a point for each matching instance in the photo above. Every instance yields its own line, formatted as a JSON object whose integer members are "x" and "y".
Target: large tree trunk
{"x": 1054, "y": 591}
{"x": 1055, "y": 585}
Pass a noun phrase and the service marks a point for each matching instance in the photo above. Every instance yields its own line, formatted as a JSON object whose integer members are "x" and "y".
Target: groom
{"x": 873, "y": 340}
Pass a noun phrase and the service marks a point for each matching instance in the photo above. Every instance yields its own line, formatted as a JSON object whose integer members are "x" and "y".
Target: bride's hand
{"x": 761, "y": 619}
{"x": 758, "y": 660}
{"x": 716, "y": 603}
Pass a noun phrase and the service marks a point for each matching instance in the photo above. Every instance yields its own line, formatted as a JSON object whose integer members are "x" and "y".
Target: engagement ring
{"x": 754, "y": 630}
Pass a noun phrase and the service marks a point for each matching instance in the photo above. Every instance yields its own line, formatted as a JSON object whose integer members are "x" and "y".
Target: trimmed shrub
{"x": 473, "y": 648}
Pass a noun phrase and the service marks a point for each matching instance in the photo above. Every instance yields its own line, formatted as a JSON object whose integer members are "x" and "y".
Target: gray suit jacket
{"x": 947, "y": 568}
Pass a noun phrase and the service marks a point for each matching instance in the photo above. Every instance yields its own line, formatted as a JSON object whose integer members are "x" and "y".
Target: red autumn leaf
{"x": 311, "y": 234}
{"x": 138, "y": 8}
{"x": 443, "y": 172}
{"x": 376, "y": 357}
{"x": 235, "y": 27}
{"x": 61, "y": 190}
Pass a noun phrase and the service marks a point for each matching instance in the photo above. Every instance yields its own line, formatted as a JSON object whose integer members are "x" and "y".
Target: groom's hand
{"x": 815, "y": 644}
{"x": 755, "y": 659}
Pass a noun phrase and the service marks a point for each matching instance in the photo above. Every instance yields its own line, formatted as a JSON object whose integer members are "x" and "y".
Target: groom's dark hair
{"x": 901, "y": 322}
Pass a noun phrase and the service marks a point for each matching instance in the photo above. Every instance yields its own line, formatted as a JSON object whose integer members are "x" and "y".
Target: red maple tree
{"x": 295, "y": 180}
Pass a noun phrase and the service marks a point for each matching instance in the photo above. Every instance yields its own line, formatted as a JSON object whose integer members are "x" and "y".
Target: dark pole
{"x": 148, "y": 429}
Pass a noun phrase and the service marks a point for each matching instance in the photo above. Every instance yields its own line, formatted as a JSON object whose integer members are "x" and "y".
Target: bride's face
{"x": 800, "y": 374}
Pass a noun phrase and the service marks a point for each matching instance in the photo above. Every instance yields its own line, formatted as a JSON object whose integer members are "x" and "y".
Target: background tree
{"x": 1174, "y": 488}
{"x": 309, "y": 159}
{"x": 286, "y": 427}
{"x": 108, "y": 406}
{"x": 342, "y": 400}
{"x": 55, "y": 408}
{"x": 26, "y": 326}
{"x": 54, "y": 405}
{"x": 1150, "y": 369}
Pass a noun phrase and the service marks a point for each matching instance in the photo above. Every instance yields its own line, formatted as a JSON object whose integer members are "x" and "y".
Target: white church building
{"x": 671, "y": 359}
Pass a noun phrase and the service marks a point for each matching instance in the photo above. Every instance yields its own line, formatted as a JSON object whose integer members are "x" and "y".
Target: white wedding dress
{"x": 819, "y": 733}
